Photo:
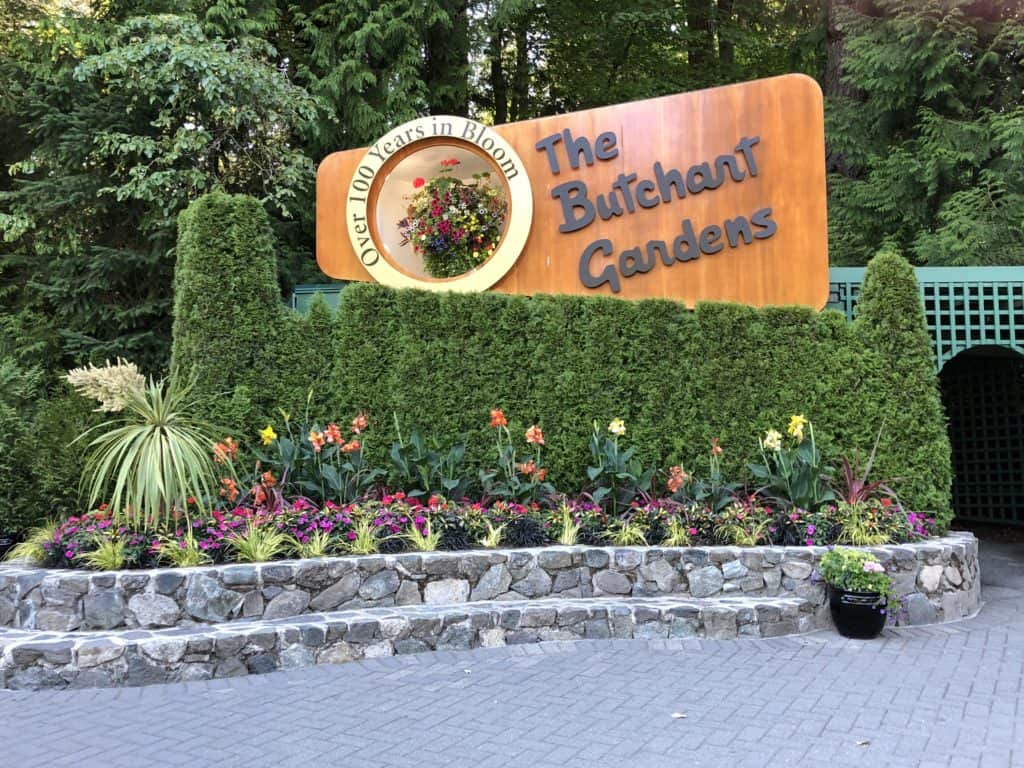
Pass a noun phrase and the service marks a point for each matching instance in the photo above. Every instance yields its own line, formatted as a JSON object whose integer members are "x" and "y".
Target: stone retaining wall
{"x": 32, "y": 660}
{"x": 939, "y": 578}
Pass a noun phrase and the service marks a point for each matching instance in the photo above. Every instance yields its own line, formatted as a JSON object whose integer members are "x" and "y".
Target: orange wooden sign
{"x": 711, "y": 195}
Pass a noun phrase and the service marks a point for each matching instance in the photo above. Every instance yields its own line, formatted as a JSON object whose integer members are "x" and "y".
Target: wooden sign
{"x": 711, "y": 195}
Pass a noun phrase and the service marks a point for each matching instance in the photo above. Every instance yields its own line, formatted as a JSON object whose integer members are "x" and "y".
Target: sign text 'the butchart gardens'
{"x": 711, "y": 195}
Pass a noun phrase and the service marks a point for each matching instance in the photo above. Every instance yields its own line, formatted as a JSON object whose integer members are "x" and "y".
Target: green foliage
{"x": 31, "y": 548}
{"x": 868, "y": 524}
{"x": 423, "y": 538}
{"x": 890, "y": 322}
{"x": 858, "y": 571}
{"x": 152, "y": 460}
{"x": 258, "y": 544}
{"x": 422, "y": 471}
{"x": 41, "y": 470}
{"x": 128, "y": 123}
{"x": 225, "y": 289}
{"x": 678, "y": 378}
{"x": 742, "y": 525}
{"x": 317, "y": 544}
{"x": 514, "y": 480}
{"x": 617, "y": 478}
{"x": 794, "y": 475}
{"x": 320, "y": 465}
{"x": 930, "y": 148}
{"x": 183, "y": 551}
{"x": 109, "y": 555}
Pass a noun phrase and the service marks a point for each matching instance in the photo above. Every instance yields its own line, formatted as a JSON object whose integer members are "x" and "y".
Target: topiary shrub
{"x": 227, "y": 309}
{"x": 678, "y": 378}
{"x": 914, "y": 446}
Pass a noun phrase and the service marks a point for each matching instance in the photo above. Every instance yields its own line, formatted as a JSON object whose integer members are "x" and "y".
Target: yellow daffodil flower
{"x": 617, "y": 427}
{"x": 796, "y": 427}
{"x": 268, "y": 435}
{"x": 772, "y": 440}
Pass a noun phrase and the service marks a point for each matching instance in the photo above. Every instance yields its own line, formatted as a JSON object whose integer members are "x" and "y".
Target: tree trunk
{"x": 835, "y": 49}
{"x": 726, "y": 48}
{"x": 446, "y": 61}
{"x": 701, "y": 38}
{"x": 521, "y": 78}
{"x": 499, "y": 88}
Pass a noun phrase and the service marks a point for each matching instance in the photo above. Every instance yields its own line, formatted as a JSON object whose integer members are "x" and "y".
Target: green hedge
{"x": 442, "y": 361}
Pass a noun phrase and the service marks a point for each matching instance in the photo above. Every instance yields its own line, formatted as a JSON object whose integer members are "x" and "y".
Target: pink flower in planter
{"x": 870, "y": 567}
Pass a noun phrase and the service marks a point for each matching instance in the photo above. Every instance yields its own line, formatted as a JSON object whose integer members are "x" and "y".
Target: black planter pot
{"x": 855, "y": 613}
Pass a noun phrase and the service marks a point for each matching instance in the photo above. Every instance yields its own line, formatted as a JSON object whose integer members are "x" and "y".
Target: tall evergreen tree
{"x": 128, "y": 125}
{"x": 926, "y": 132}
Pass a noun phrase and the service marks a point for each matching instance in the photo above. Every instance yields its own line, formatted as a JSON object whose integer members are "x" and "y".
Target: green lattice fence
{"x": 965, "y": 306}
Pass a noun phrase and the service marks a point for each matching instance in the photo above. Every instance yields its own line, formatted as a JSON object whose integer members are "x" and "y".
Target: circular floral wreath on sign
{"x": 454, "y": 225}
{"x": 475, "y": 228}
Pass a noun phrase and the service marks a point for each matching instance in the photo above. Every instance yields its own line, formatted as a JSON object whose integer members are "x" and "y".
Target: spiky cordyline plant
{"x": 154, "y": 458}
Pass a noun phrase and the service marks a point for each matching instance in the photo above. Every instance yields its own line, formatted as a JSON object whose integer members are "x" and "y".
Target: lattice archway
{"x": 983, "y": 393}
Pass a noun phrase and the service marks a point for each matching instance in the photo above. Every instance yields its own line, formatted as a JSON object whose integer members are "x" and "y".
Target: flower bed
{"x": 938, "y": 581}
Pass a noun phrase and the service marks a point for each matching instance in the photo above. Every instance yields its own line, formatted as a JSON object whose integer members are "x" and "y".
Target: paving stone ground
{"x": 950, "y": 695}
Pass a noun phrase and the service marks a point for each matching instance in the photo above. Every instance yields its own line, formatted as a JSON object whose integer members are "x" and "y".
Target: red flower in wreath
{"x": 418, "y": 182}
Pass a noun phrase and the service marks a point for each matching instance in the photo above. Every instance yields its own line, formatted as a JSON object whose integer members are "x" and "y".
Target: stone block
{"x": 338, "y": 653}
{"x": 410, "y": 645}
{"x": 495, "y": 581}
{"x": 168, "y": 650}
{"x": 536, "y": 583}
{"x": 456, "y": 637}
{"x": 953, "y": 576}
{"x": 253, "y": 605}
{"x": 929, "y": 578}
{"x": 278, "y": 573}
{"x": 342, "y": 590}
{"x": 597, "y": 629}
{"x": 154, "y": 610}
{"x": 662, "y": 574}
{"x": 628, "y": 559}
{"x": 595, "y": 558}
{"x": 378, "y": 585}
{"x": 94, "y": 653}
{"x": 554, "y": 559}
{"x": 705, "y": 581}
{"x": 918, "y": 610}
{"x": 446, "y": 592}
{"x": 167, "y": 582}
{"x": 262, "y": 663}
{"x": 103, "y": 609}
{"x": 612, "y": 583}
{"x": 734, "y": 569}
{"x": 408, "y": 594}
{"x": 207, "y": 600}
{"x": 291, "y": 602}
{"x": 239, "y": 575}
{"x": 797, "y": 569}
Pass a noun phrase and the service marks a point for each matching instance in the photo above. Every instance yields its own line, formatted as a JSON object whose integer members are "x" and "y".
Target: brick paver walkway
{"x": 937, "y": 696}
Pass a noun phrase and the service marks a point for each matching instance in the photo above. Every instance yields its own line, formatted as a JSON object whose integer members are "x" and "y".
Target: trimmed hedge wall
{"x": 442, "y": 361}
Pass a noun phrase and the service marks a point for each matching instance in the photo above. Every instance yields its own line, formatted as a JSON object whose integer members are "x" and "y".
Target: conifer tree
{"x": 930, "y": 130}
